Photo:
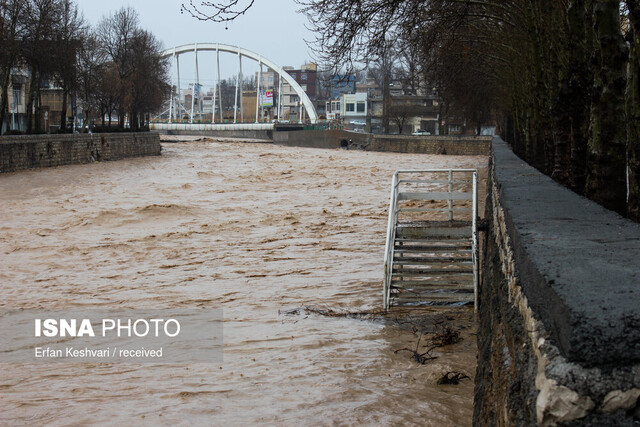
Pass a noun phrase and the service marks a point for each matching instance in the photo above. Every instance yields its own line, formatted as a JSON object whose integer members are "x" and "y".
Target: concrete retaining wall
{"x": 265, "y": 135}
{"x": 35, "y": 151}
{"x": 309, "y": 138}
{"x": 559, "y": 332}
{"x": 247, "y": 130}
{"x": 453, "y": 145}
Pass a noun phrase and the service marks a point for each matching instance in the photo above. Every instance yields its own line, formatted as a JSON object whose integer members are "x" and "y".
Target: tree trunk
{"x": 386, "y": 101}
{"x": 38, "y": 114}
{"x": 580, "y": 86}
{"x": 30, "y": 104}
{"x": 4, "y": 100}
{"x": 571, "y": 109}
{"x": 633, "y": 113}
{"x": 63, "y": 115}
{"x": 133, "y": 121}
{"x": 87, "y": 121}
{"x": 606, "y": 181}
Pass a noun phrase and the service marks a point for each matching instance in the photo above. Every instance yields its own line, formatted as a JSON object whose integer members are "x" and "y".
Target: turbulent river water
{"x": 254, "y": 229}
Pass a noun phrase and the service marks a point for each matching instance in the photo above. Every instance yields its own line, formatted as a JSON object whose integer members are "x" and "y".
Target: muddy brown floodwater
{"x": 254, "y": 229}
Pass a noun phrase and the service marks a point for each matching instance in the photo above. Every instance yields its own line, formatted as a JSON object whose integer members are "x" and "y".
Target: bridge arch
{"x": 219, "y": 47}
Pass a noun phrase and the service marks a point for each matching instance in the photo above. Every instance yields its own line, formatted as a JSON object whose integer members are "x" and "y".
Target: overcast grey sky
{"x": 272, "y": 28}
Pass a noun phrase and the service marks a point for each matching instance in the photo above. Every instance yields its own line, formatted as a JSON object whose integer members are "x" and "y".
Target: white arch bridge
{"x": 178, "y": 109}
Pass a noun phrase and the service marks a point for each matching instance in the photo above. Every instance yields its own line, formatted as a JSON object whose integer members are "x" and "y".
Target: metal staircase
{"x": 431, "y": 250}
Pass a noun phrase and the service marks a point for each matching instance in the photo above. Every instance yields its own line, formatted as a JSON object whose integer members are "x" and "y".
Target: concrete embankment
{"x": 559, "y": 317}
{"x": 296, "y": 136}
{"x": 36, "y": 151}
{"x": 446, "y": 144}
{"x": 260, "y": 131}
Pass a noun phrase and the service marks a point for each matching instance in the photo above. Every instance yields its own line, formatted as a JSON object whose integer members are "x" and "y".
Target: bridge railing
{"x": 224, "y": 122}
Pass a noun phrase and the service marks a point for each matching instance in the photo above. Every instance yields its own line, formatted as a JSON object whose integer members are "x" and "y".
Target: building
{"x": 248, "y": 107}
{"x": 268, "y": 80}
{"x": 342, "y": 84}
{"x": 291, "y": 105}
{"x": 354, "y": 110}
{"x": 51, "y": 99}
{"x": 307, "y": 78}
{"x": 333, "y": 109}
{"x": 51, "y": 103}
{"x": 17, "y": 101}
{"x": 408, "y": 113}
{"x": 370, "y": 87}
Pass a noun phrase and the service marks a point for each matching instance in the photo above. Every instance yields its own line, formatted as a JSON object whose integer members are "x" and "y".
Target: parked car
{"x": 421, "y": 132}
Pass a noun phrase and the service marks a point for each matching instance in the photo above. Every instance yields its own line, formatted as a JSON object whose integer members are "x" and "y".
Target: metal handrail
{"x": 391, "y": 237}
{"x": 474, "y": 240}
{"x": 393, "y": 219}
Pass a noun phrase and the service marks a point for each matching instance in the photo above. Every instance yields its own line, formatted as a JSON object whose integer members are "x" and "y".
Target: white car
{"x": 421, "y": 132}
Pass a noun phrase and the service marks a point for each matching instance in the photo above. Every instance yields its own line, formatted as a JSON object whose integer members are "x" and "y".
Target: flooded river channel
{"x": 257, "y": 230}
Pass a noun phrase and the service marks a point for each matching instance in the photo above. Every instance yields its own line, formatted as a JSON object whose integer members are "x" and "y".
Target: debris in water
{"x": 329, "y": 312}
{"x": 420, "y": 358}
{"x": 446, "y": 335}
{"x": 452, "y": 377}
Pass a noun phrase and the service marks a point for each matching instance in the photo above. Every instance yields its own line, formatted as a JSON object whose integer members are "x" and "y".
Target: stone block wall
{"x": 36, "y": 151}
{"x": 559, "y": 317}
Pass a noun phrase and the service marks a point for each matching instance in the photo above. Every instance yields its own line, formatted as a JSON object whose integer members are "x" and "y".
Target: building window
{"x": 349, "y": 107}
{"x": 304, "y": 87}
{"x": 293, "y": 98}
{"x": 303, "y": 77}
{"x": 17, "y": 96}
{"x": 360, "y": 107}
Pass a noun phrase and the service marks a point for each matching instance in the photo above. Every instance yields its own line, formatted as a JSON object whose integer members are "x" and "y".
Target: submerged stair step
{"x": 409, "y": 265}
{"x": 434, "y": 297}
{"x": 445, "y": 281}
{"x": 429, "y": 272}
{"x": 400, "y": 287}
{"x": 433, "y": 293}
{"x": 433, "y": 285}
{"x": 431, "y": 260}
{"x": 438, "y": 242}
{"x": 463, "y": 240}
{"x": 436, "y": 292}
{"x": 436, "y": 232}
{"x": 431, "y": 249}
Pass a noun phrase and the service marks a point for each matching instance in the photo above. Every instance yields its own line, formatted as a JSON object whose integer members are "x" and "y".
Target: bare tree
{"x": 116, "y": 33}
{"x": 91, "y": 63}
{"x": 225, "y": 11}
{"x": 109, "y": 91}
{"x": 408, "y": 65}
{"x": 148, "y": 83}
{"x": 38, "y": 51}
{"x": 68, "y": 38}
